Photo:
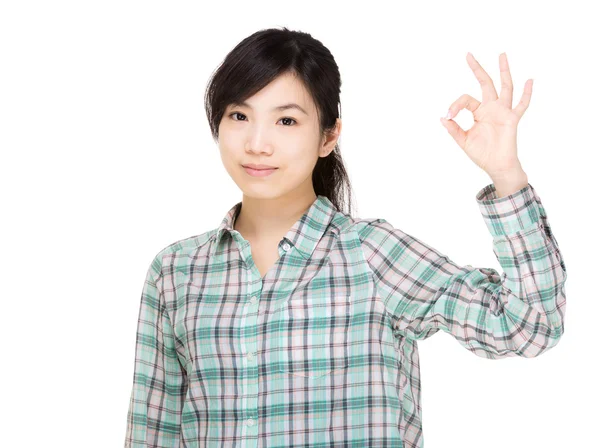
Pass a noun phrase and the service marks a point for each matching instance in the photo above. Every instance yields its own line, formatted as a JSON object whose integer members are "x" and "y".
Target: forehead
{"x": 281, "y": 93}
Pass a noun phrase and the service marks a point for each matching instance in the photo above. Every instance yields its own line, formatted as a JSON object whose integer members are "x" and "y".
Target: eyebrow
{"x": 278, "y": 108}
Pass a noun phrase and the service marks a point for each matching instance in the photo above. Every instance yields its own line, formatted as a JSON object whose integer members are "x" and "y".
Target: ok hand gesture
{"x": 491, "y": 143}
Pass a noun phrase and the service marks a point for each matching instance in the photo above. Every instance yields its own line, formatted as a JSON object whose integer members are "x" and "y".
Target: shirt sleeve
{"x": 159, "y": 380}
{"x": 520, "y": 313}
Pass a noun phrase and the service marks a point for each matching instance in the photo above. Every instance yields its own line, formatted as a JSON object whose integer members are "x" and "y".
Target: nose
{"x": 258, "y": 141}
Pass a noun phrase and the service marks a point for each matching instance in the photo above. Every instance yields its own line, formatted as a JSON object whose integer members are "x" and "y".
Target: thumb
{"x": 457, "y": 133}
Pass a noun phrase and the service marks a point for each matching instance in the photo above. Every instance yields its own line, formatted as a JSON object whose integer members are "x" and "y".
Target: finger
{"x": 487, "y": 85}
{"x": 506, "y": 92}
{"x": 457, "y": 133}
{"x": 525, "y": 99}
{"x": 463, "y": 102}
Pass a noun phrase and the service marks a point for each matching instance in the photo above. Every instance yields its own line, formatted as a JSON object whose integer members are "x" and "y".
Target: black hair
{"x": 259, "y": 59}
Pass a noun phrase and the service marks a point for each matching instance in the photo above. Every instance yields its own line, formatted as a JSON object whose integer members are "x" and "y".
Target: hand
{"x": 492, "y": 140}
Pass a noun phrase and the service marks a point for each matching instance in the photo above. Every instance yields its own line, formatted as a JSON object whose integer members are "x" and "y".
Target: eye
{"x": 284, "y": 118}
{"x": 288, "y": 118}
{"x": 236, "y": 113}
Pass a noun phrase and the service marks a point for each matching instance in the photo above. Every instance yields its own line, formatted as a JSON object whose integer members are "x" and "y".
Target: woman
{"x": 293, "y": 323}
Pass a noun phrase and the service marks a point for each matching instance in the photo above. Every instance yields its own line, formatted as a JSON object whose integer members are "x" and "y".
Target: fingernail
{"x": 449, "y": 114}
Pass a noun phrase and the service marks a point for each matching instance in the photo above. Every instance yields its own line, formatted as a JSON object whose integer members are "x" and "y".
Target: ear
{"x": 330, "y": 139}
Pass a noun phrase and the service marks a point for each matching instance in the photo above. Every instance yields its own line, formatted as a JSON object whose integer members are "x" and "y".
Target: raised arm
{"x": 520, "y": 313}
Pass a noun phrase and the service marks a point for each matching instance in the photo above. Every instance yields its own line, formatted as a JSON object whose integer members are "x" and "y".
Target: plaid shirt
{"x": 322, "y": 351}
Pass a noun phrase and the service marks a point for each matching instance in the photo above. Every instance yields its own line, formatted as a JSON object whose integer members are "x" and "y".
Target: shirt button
{"x": 250, "y": 422}
{"x": 253, "y": 300}
{"x": 250, "y": 356}
{"x": 286, "y": 247}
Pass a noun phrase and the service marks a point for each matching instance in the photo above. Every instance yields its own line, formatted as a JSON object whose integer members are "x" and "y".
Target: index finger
{"x": 487, "y": 85}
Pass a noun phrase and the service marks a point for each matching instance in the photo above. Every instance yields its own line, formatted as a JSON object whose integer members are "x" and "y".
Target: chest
{"x": 306, "y": 322}
{"x": 264, "y": 254}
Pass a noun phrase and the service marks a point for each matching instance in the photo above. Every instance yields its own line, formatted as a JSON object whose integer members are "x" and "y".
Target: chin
{"x": 256, "y": 191}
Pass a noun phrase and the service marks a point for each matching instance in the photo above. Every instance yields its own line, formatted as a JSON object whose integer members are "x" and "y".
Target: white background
{"x": 106, "y": 158}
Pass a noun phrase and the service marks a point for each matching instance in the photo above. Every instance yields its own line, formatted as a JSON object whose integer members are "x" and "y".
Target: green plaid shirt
{"x": 322, "y": 351}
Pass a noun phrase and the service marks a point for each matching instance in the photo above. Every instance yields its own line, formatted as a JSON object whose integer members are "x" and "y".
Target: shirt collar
{"x": 304, "y": 234}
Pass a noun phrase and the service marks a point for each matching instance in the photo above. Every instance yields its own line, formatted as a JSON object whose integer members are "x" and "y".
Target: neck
{"x": 263, "y": 219}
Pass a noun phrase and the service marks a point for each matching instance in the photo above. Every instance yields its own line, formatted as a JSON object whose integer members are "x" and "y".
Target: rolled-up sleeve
{"x": 518, "y": 313}
{"x": 159, "y": 380}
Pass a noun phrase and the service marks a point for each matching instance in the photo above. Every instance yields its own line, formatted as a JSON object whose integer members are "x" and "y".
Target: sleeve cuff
{"x": 509, "y": 214}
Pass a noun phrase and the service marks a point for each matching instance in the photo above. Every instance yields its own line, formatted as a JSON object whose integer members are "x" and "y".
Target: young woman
{"x": 293, "y": 323}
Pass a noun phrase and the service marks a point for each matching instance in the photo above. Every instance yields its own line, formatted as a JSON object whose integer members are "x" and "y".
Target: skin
{"x": 287, "y": 139}
{"x": 491, "y": 143}
{"x": 257, "y": 134}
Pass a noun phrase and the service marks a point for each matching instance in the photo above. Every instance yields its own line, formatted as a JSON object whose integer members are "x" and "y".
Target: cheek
{"x": 227, "y": 136}
{"x": 227, "y": 147}
{"x": 300, "y": 165}
{"x": 229, "y": 161}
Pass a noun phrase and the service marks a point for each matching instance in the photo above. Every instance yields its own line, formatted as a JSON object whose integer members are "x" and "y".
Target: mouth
{"x": 259, "y": 172}
{"x": 260, "y": 167}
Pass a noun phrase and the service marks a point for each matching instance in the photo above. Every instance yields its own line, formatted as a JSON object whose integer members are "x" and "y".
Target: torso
{"x": 264, "y": 255}
{"x": 264, "y": 252}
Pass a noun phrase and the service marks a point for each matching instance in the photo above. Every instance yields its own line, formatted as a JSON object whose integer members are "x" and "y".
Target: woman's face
{"x": 260, "y": 133}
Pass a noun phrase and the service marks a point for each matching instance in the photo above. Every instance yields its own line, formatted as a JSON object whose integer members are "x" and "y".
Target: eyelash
{"x": 283, "y": 118}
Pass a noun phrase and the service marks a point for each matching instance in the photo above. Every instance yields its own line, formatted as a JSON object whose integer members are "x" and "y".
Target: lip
{"x": 259, "y": 173}
{"x": 258, "y": 166}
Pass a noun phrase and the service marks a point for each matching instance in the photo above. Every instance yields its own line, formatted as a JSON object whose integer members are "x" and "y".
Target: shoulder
{"x": 179, "y": 248}
{"x": 371, "y": 227}
{"x": 378, "y": 235}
